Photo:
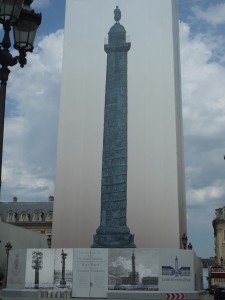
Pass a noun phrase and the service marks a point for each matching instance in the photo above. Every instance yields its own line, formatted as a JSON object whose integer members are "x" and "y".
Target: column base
{"x": 112, "y": 239}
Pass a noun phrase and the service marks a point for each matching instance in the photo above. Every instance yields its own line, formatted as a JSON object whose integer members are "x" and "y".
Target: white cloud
{"x": 122, "y": 261}
{"x": 41, "y": 3}
{"x": 203, "y": 84}
{"x": 214, "y": 14}
{"x": 206, "y": 193}
{"x": 31, "y": 123}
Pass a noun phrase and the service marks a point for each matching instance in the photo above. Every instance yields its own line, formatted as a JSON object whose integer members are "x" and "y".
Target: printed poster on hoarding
{"x": 40, "y": 269}
{"x": 133, "y": 270}
{"x": 63, "y": 269}
{"x": 176, "y": 270}
{"x": 90, "y": 273}
{"x": 99, "y": 273}
{"x": 16, "y": 269}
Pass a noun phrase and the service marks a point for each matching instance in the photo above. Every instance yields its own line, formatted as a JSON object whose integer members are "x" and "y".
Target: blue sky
{"x": 33, "y": 102}
{"x": 53, "y": 15}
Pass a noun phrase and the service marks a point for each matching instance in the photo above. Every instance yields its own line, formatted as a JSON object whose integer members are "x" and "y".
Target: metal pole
{"x": 6, "y": 271}
{"x": 2, "y": 115}
{"x": 8, "y": 247}
{"x": 6, "y": 60}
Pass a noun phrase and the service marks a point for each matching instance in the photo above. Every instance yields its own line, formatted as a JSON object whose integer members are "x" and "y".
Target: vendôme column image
{"x": 113, "y": 231}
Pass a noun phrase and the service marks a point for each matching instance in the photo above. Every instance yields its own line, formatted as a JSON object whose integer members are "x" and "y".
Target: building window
{"x": 11, "y": 217}
{"x": 24, "y": 217}
{"x": 37, "y": 216}
{"x": 49, "y": 216}
{"x": 223, "y": 213}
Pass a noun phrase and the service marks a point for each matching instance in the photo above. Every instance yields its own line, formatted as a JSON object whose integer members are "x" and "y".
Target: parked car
{"x": 219, "y": 292}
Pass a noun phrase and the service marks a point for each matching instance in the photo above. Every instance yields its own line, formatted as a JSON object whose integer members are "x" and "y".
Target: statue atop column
{"x": 117, "y": 14}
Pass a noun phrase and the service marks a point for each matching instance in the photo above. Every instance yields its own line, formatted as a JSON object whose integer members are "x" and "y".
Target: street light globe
{"x": 10, "y": 10}
{"x": 25, "y": 29}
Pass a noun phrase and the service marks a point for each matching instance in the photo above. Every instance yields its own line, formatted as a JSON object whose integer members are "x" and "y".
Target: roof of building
{"x": 27, "y": 207}
{"x": 220, "y": 213}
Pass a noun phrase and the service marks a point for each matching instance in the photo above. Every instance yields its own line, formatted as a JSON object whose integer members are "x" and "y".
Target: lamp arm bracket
{"x": 14, "y": 61}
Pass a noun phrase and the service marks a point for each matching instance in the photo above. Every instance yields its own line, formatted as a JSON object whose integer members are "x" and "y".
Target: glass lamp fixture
{"x": 10, "y": 10}
{"x": 25, "y": 28}
{"x": 16, "y": 14}
{"x": 8, "y": 247}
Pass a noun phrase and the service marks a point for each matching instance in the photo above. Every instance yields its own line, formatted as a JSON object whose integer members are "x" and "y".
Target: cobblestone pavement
{"x": 206, "y": 296}
{"x": 202, "y": 296}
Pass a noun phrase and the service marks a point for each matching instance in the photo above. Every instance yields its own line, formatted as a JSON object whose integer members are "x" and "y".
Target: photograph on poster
{"x": 40, "y": 269}
{"x": 63, "y": 271}
{"x": 133, "y": 269}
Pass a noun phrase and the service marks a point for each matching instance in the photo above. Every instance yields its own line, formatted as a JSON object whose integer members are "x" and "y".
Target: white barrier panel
{"x": 17, "y": 269}
{"x": 88, "y": 273}
{"x": 176, "y": 270}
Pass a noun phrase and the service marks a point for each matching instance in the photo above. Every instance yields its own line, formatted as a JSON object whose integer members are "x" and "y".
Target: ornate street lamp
{"x": 25, "y": 22}
{"x": 184, "y": 240}
{"x": 8, "y": 247}
{"x": 49, "y": 241}
{"x": 10, "y": 10}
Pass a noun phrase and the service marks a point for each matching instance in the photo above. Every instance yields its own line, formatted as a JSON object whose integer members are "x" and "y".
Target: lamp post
{"x": 184, "y": 240}
{"x": 49, "y": 241}
{"x": 25, "y": 22}
{"x": 8, "y": 247}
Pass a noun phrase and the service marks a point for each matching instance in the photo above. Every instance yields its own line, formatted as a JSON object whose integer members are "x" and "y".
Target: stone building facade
{"x": 36, "y": 216}
{"x": 219, "y": 234}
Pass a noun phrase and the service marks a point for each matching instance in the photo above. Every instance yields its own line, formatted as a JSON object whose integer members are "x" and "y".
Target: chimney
{"x": 14, "y": 199}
